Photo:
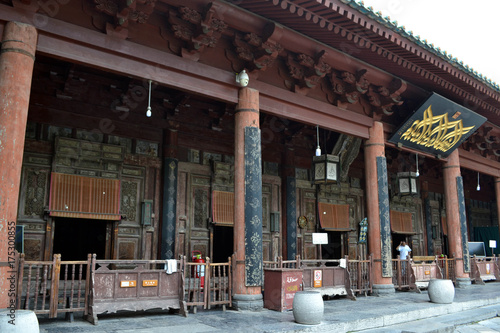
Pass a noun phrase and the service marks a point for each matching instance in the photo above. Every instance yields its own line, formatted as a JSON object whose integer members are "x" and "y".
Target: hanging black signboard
{"x": 438, "y": 127}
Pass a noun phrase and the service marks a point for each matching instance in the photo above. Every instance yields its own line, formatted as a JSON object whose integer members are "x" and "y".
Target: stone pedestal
{"x": 308, "y": 307}
{"x": 383, "y": 289}
{"x": 463, "y": 282}
{"x": 441, "y": 291}
{"x": 18, "y": 321}
{"x": 248, "y": 302}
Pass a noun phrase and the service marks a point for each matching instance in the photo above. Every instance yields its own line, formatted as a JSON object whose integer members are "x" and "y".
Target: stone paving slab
{"x": 341, "y": 315}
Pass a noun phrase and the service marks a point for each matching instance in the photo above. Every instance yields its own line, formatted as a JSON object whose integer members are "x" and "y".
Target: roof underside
{"x": 359, "y": 32}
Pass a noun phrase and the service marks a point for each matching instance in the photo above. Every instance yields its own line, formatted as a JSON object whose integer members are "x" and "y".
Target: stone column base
{"x": 383, "y": 289}
{"x": 462, "y": 283}
{"x": 248, "y": 302}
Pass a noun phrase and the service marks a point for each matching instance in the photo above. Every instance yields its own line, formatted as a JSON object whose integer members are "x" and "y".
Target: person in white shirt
{"x": 404, "y": 251}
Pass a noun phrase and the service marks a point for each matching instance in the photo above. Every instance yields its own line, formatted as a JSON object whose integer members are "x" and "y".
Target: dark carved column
{"x": 428, "y": 217}
{"x": 291, "y": 218}
{"x": 170, "y": 175}
{"x": 289, "y": 203}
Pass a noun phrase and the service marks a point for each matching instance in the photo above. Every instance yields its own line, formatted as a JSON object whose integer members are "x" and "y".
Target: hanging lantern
{"x": 407, "y": 183}
{"x": 325, "y": 169}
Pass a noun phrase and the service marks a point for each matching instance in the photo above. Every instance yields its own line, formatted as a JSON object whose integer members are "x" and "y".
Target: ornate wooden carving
{"x": 485, "y": 142}
{"x": 197, "y": 30}
{"x": 307, "y": 71}
{"x": 123, "y": 12}
{"x": 36, "y": 181}
{"x": 384, "y": 98}
{"x": 347, "y": 148}
{"x": 129, "y": 200}
{"x": 257, "y": 52}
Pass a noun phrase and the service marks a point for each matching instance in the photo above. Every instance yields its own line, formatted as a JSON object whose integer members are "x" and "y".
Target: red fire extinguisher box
{"x": 280, "y": 286}
{"x": 198, "y": 272}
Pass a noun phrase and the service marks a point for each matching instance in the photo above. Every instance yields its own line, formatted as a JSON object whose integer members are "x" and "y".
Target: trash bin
{"x": 280, "y": 286}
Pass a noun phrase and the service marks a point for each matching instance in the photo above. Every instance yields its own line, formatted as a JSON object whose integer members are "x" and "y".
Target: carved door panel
{"x": 127, "y": 241}
{"x": 199, "y": 213}
{"x": 308, "y": 210}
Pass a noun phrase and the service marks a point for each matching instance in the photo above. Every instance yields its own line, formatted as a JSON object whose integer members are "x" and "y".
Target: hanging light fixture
{"x": 148, "y": 110}
{"x": 417, "y": 173}
{"x": 408, "y": 182}
{"x": 325, "y": 167}
{"x": 478, "y": 188}
{"x": 318, "y": 148}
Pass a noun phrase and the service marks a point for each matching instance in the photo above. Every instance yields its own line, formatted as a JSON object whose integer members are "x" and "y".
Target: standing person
{"x": 404, "y": 251}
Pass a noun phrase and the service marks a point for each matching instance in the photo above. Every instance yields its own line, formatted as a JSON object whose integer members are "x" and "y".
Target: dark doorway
{"x": 223, "y": 243}
{"x": 332, "y": 250}
{"x": 396, "y": 240}
{"x": 74, "y": 239}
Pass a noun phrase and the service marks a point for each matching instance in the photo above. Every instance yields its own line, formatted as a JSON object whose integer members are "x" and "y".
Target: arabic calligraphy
{"x": 436, "y": 131}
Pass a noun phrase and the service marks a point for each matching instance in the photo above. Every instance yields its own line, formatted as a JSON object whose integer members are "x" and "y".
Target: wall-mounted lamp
{"x": 478, "y": 188}
{"x": 148, "y": 110}
{"x": 242, "y": 78}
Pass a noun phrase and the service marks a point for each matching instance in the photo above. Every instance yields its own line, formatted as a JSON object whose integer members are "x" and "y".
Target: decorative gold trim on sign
{"x": 436, "y": 131}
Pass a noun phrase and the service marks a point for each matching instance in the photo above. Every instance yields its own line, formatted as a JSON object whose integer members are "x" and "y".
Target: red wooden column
{"x": 247, "y": 115}
{"x": 451, "y": 170}
{"x": 375, "y": 147}
{"x": 17, "y": 58}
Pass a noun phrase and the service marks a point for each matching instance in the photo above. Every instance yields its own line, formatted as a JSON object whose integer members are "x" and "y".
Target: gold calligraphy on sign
{"x": 436, "y": 131}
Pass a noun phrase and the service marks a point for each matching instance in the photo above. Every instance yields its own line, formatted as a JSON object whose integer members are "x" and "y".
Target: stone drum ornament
{"x": 441, "y": 291}
{"x": 308, "y": 307}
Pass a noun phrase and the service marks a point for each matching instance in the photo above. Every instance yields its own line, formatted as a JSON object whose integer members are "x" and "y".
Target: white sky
{"x": 466, "y": 29}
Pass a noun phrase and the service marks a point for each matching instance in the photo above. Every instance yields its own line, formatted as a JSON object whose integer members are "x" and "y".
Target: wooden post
{"x": 375, "y": 148}
{"x": 451, "y": 174}
{"x": 17, "y": 58}
{"x": 54, "y": 288}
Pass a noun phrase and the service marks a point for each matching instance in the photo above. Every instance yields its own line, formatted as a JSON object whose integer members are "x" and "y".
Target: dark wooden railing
{"x": 356, "y": 275}
{"x": 484, "y": 269}
{"x": 207, "y": 284}
{"x": 403, "y": 276}
{"x": 361, "y": 275}
{"x": 134, "y": 285}
{"x": 52, "y": 287}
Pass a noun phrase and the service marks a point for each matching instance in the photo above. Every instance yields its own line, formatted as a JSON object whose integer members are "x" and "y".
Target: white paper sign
{"x": 493, "y": 244}
{"x": 320, "y": 238}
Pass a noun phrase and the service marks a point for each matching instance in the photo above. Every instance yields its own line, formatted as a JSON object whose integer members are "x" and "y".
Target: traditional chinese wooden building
{"x": 220, "y": 168}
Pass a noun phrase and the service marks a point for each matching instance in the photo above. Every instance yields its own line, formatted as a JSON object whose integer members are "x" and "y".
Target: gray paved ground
{"x": 473, "y": 307}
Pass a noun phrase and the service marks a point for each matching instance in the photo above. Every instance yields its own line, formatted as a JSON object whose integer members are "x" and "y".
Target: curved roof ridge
{"x": 401, "y": 30}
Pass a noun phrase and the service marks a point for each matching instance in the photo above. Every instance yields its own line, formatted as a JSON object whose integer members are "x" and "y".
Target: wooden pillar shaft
{"x": 374, "y": 147}
{"x": 247, "y": 115}
{"x": 16, "y": 69}
{"x": 451, "y": 170}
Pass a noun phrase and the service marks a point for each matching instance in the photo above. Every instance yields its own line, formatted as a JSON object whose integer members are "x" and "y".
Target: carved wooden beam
{"x": 307, "y": 71}
{"x": 197, "y": 30}
{"x": 124, "y": 11}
